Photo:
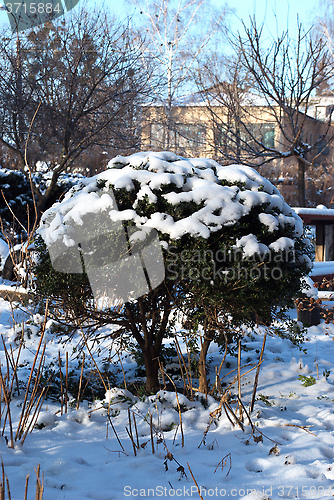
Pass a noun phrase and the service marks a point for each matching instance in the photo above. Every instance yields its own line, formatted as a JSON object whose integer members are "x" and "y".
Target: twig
{"x": 179, "y": 408}
{"x": 132, "y": 441}
{"x": 257, "y": 373}
{"x": 66, "y": 380}
{"x": 151, "y": 428}
{"x": 224, "y": 463}
{"x": 113, "y": 428}
{"x": 80, "y": 381}
{"x": 303, "y": 427}
{"x": 193, "y": 478}
{"x": 239, "y": 378}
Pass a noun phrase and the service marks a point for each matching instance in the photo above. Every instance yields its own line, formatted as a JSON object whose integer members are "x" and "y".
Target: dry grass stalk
{"x": 61, "y": 385}
{"x": 193, "y": 478}
{"x": 135, "y": 425}
{"x": 187, "y": 385}
{"x": 39, "y": 484}
{"x": 239, "y": 379}
{"x": 162, "y": 373}
{"x": 151, "y": 429}
{"x": 92, "y": 357}
{"x": 223, "y": 463}
{"x": 26, "y": 488}
{"x": 129, "y": 431}
{"x": 8, "y": 412}
{"x": 256, "y": 380}
{"x": 179, "y": 408}
{"x": 123, "y": 372}
{"x": 132, "y": 441}
{"x": 33, "y": 397}
{"x": 113, "y": 428}
{"x": 3, "y": 483}
{"x": 66, "y": 381}
{"x": 80, "y": 381}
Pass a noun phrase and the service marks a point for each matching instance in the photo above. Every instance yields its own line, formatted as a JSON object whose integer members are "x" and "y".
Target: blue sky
{"x": 275, "y": 14}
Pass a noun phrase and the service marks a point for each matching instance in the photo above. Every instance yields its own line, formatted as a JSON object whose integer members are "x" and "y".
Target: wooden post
{"x": 319, "y": 242}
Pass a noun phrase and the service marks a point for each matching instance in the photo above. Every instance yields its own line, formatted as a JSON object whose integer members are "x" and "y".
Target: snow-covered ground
{"x": 288, "y": 454}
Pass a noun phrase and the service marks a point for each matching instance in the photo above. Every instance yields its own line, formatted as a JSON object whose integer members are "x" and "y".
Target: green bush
{"x": 232, "y": 248}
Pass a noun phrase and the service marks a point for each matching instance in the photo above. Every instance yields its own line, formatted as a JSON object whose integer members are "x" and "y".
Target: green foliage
{"x": 209, "y": 279}
{"x": 73, "y": 289}
{"x": 307, "y": 381}
{"x": 15, "y": 198}
{"x": 264, "y": 399}
{"x": 92, "y": 386}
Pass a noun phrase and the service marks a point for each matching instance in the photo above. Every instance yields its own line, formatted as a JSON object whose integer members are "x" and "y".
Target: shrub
{"x": 231, "y": 248}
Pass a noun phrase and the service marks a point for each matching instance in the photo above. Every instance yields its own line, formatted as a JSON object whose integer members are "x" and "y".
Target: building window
{"x": 190, "y": 135}
{"x": 263, "y": 133}
{"x": 157, "y": 135}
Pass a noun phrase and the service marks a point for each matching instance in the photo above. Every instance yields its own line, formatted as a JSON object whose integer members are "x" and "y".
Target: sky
{"x": 276, "y": 15}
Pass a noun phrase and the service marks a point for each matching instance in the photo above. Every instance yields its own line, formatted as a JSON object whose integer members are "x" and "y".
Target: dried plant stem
{"x": 8, "y": 413}
{"x": 39, "y": 484}
{"x": 61, "y": 385}
{"x": 34, "y": 399}
{"x": 256, "y": 380}
{"x": 113, "y": 428}
{"x": 123, "y": 372}
{"x": 66, "y": 381}
{"x": 132, "y": 441}
{"x": 3, "y": 484}
{"x": 179, "y": 409}
{"x": 8, "y": 489}
{"x": 151, "y": 428}
{"x": 26, "y": 488}
{"x": 136, "y": 430}
{"x": 80, "y": 381}
{"x": 239, "y": 379}
{"x": 92, "y": 357}
{"x": 182, "y": 362}
{"x": 23, "y": 411}
{"x": 193, "y": 478}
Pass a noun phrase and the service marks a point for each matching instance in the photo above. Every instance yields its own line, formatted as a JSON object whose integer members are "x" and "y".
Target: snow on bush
{"x": 219, "y": 196}
{"x": 229, "y": 243}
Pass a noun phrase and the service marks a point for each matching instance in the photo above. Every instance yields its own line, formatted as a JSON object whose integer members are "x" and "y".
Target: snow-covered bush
{"x": 15, "y": 199}
{"x": 230, "y": 243}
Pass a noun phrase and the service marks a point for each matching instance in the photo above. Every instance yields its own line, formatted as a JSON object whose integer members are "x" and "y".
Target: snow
{"x": 4, "y": 252}
{"x": 223, "y": 195}
{"x": 289, "y": 454}
{"x": 320, "y": 210}
{"x": 251, "y": 246}
{"x": 322, "y": 267}
{"x": 282, "y": 244}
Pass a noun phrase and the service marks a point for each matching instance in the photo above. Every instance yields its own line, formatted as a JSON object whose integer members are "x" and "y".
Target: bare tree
{"x": 177, "y": 34}
{"x": 66, "y": 87}
{"x": 264, "y": 117}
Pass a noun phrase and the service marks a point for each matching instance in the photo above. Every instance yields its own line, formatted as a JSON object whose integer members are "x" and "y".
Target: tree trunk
{"x": 301, "y": 184}
{"x": 203, "y": 381}
{"x": 151, "y": 362}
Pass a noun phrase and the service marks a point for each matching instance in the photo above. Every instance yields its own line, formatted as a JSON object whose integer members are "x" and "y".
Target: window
{"x": 264, "y": 133}
{"x": 190, "y": 135}
{"x": 157, "y": 135}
